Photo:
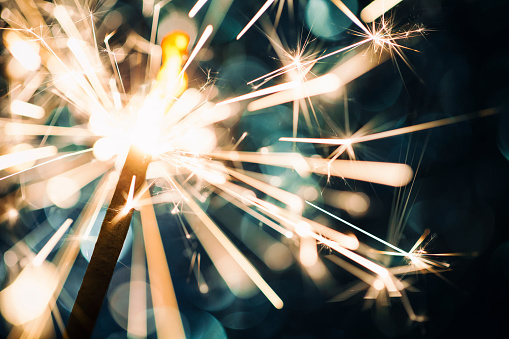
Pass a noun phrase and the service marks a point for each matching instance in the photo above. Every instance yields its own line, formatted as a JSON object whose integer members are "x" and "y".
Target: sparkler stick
{"x": 108, "y": 246}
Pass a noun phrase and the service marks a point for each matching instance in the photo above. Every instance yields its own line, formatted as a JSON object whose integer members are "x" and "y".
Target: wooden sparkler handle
{"x": 107, "y": 249}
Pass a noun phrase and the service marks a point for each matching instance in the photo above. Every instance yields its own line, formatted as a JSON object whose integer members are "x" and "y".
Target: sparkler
{"x": 155, "y": 130}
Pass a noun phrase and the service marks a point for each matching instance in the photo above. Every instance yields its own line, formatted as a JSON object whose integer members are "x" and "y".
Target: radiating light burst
{"x": 119, "y": 91}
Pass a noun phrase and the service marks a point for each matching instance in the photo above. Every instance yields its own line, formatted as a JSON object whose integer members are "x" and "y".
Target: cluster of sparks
{"x": 58, "y": 61}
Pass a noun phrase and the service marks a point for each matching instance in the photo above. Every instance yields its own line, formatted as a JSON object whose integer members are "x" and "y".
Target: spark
{"x": 255, "y": 18}
{"x": 22, "y": 155}
{"x": 46, "y": 250}
{"x": 196, "y": 8}
{"x": 359, "y": 229}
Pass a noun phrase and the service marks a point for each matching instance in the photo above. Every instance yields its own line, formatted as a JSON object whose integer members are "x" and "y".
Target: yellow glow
{"x": 174, "y": 48}
{"x": 28, "y": 296}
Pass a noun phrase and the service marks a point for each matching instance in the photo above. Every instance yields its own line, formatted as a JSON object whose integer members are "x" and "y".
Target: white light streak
{"x": 196, "y": 8}
{"x": 46, "y": 250}
{"x": 26, "y": 109}
{"x": 256, "y": 17}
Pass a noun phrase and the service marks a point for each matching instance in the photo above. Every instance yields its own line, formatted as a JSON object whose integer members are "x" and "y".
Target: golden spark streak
{"x": 76, "y": 47}
{"x": 256, "y": 17}
{"x": 395, "y": 132}
{"x": 26, "y": 109}
{"x": 376, "y": 9}
{"x": 15, "y": 128}
{"x": 261, "y": 92}
{"x": 318, "y": 141}
{"x": 166, "y": 312}
{"x": 350, "y": 15}
{"x": 206, "y": 34}
{"x": 18, "y": 158}
{"x": 64, "y": 260}
{"x": 48, "y": 162}
{"x": 346, "y": 241}
{"x": 297, "y": 63}
{"x": 285, "y": 217}
{"x": 359, "y": 229}
{"x": 196, "y": 8}
{"x": 424, "y": 126}
{"x": 324, "y": 84}
{"x": 46, "y": 250}
{"x": 294, "y": 202}
{"x": 239, "y": 258}
{"x": 391, "y": 174}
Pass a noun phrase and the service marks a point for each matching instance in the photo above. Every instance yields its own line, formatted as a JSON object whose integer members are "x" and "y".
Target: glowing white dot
{"x": 378, "y": 284}
{"x": 105, "y": 149}
{"x": 204, "y": 288}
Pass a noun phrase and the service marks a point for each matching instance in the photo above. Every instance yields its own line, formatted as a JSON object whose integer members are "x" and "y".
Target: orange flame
{"x": 174, "y": 49}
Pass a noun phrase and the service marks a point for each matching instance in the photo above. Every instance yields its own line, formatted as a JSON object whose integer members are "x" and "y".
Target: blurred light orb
{"x": 63, "y": 191}
{"x": 378, "y": 284}
{"x": 119, "y": 302}
{"x": 327, "y": 21}
{"x": 28, "y": 296}
{"x": 278, "y": 257}
{"x": 357, "y": 204}
{"x": 105, "y": 148}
